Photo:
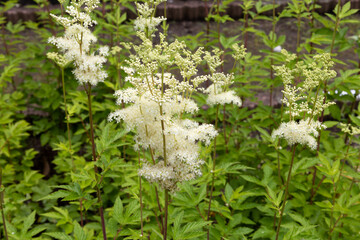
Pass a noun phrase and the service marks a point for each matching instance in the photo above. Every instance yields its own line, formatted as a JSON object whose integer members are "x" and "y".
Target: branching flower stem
{"x": 213, "y": 172}
{"x": 98, "y": 193}
{"x": 140, "y": 198}
{"x": 312, "y": 25}
{"x": 272, "y": 50}
{"x": 2, "y": 190}
{"x": 67, "y": 118}
{"x": 165, "y": 159}
{"x": 286, "y": 191}
{"x": 161, "y": 226}
{"x": 298, "y": 16}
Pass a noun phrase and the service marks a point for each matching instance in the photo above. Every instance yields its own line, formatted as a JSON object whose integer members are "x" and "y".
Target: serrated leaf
{"x": 56, "y": 195}
{"x": 299, "y": 219}
{"x": 28, "y": 222}
{"x": 52, "y": 215}
{"x": 355, "y": 120}
{"x": 228, "y": 192}
{"x": 36, "y": 230}
{"x": 79, "y": 233}
{"x": 252, "y": 179}
{"x": 118, "y": 210}
{"x": 59, "y": 235}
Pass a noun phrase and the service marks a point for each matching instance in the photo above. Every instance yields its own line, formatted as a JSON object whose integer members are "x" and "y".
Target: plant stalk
{"x": 67, "y": 117}
{"x": 2, "y": 205}
{"x": 286, "y": 192}
{"x": 312, "y": 24}
{"x": 98, "y": 193}
{"x": 166, "y": 213}
{"x": 213, "y": 172}
{"x": 271, "y": 59}
{"x": 140, "y": 198}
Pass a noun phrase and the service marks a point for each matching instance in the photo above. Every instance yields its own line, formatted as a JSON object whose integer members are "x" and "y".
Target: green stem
{"x": 336, "y": 26}
{"x": 226, "y": 139}
{"x": 246, "y": 25}
{"x": 286, "y": 192}
{"x": 278, "y": 163}
{"x": 312, "y": 25}
{"x": 213, "y": 172}
{"x": 156, "y": 191}
{"x": 298, "y": 33}
{"x": 332, "y": 208}
{"x": 218, "y": 34}
{"x": 164, "y": 23}
{"x": 1, "y": 205}
{"x": 67, "y": 117}
{"x": 271, "y": 59}
{"x": 166, "y": 213}
{"x": 165, "y": 158}
{"x": 140, "y": 198}
{"x": 313, "y": 110}
{"x": 98, "y": 193}
{"x": 207, "y": 24}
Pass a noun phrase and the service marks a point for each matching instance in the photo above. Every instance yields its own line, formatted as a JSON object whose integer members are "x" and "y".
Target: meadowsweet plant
{"x": 303, "y": 106}
{"x": 77, "y": 46}
{"x": 219, "y": 94}
{"x": 160, "y": 102}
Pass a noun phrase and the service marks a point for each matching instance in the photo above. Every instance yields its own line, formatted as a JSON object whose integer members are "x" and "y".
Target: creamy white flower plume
{"x": 301, "y": 132}
{"x": 77, "y": 40}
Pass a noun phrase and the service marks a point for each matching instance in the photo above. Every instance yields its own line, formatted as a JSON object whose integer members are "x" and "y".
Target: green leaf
{"x": 79, "y": 233}
{"x": 59, "y": 235}
{"x": 36, "y": 230}
{"x": 228, "y": 192}
{"x": 118, "y": 210}
{"x": 56, "y": 195}
{"x": 252, "y": 179}
{"x": 263, "y": 232}
{"x": 28, "y": 222}
{"x": 330, "y": 124}
{"x": 299, "y": 218}
{"x": 355, "y": 120}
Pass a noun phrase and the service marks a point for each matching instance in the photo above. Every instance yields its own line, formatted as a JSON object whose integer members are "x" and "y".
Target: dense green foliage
{"x": 50, "y": 184}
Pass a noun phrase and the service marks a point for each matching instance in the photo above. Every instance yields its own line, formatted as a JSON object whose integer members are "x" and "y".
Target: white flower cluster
{"x": 349, "y": 129}
{"x": 218, "y": 92}
{"x": 299, "y": 98}
{"x": 77, "y": 40}
{"x": 218, "y": 96}
{"x": 78, "y": 16}
{"x": 239, "y": 52}
{"x": 302, "y": 132}
{"x": 146, "y": 22}
{"x": 60, "y": 60}
{"x": 159, "y": 103}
